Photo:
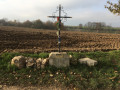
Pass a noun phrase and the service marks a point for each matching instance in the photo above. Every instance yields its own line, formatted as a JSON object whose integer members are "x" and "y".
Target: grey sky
{"x": 82, "y": 11}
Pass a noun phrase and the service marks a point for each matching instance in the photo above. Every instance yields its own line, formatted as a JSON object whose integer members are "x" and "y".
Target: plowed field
{"x": 16, "y": 39}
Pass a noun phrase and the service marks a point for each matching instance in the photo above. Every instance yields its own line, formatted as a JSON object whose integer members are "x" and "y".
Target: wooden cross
{"x": 59, "y": 24}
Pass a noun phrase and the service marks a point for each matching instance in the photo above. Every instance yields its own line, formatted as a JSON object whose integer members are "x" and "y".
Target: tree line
{"x": 99, "y": 27}
{"x": 91, "y": 26}
{"x": 38, "y": 24}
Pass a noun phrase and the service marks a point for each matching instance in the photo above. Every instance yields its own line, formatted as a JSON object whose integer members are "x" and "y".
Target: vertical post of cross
{"x": 59, "y": 28}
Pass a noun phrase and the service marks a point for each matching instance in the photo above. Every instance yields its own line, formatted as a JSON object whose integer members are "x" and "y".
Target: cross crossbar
{"x": 59, "y": 17}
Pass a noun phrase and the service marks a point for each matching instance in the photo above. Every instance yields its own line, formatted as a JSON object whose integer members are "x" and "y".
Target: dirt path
{"x": 31, "y": 88}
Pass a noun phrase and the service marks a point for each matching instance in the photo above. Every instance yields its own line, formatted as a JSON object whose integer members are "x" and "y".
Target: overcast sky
{"x": 82, "y": 11}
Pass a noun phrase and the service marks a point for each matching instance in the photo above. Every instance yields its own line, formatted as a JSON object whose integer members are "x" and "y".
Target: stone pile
{"x": 22, "y": 62}
{"x": 55, "y": 59}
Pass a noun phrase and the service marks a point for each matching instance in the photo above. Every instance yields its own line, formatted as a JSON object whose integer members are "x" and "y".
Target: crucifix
{"x": 59, "y": 19}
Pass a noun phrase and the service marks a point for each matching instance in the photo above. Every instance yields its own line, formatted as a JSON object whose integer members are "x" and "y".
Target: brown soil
{"x": 16, "y": 39}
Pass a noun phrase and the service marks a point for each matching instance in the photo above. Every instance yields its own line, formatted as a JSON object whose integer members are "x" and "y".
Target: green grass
{"x": 105, "y": 75}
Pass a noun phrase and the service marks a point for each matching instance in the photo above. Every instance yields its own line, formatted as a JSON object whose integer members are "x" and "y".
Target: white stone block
{"x": 59, "y": 59}
{"x": 88, "y": 61}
